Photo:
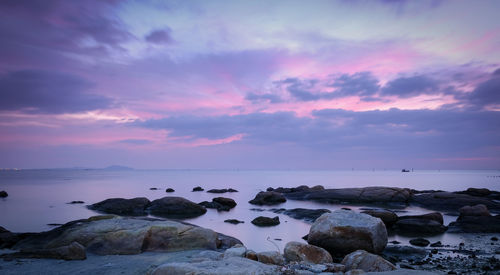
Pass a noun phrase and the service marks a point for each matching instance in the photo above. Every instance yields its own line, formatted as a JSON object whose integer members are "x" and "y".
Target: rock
{"x": 295, "y": 251}
{"x": 3, "y": 194}
{"x": 367, "y": 262}
{"x": 169, "y": 190}
{"x": 435, "y": 216}
{"x": 233, "y": 221}
{"x": 270, "y": 257}
{"x": 448, "y": 201}
{"x": 197, "y": 189}
{"x": 355, "y": 272}
{"x": 268, "y": 198}
{"x": 252, "y": 255}
{"x": 406, "y": 252}
{"x": 119, "y": 206}
{"x": 342, "y": 232}
{"x": 374, "y": 195}
{"x": 175, "y": 207}
{"x": 73, "y": 251}
{"x": 437, "y": 244}
{"x": 225, "y": 241}
{"x": 478, "y": 192}
{"x": 76, "y": 202}
{"x": 228, "y": 266}
{"x": 8, "y": 239}
{"x": 309, "y": 215}
{"x": 266, "y": 221}
{"x": 419, "y": 227}
{"x": 225, "y": 202}
{"x": 476, "y": 210}
{"x": 219, "y": 191}
{"x": 387, "y": 216}
{"x": 420, "y": 242}
{"x": 476, "y": 224}
{"x": 105, "y": 235}
{"x": 153, "y": 188}
{"x": 235, "y": 251}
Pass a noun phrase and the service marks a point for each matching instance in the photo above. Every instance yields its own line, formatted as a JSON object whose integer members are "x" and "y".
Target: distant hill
{"x": 118, "y": 167}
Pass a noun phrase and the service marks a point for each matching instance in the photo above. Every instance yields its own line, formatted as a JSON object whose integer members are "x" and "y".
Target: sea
{"x": 38, "y": 198}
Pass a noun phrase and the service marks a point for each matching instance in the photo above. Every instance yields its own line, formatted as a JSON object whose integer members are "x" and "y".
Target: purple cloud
{"x": 160, "y": 36}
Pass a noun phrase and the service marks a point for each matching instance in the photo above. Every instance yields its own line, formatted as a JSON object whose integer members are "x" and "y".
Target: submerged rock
{"x": 367, "y": 262}
{"x": 220, "y": 191}
{"x": 219, "y": 203}
{"x": 233, "y": 221}
{"x": 309, "y": 215}
{"x": 120, "y": 206}
{"x": 266, "y": 221}
{"x": 3, "y": 194}
{"x": 197, "y": 189}
{"x": 169, "y": 190}
{"x": 225, "y": 202}
{"x": 298, "y": 252}
{"x": 268, "y": 198}
{"x": 176, "y": 207}
{"x": 342, "y": 232}
{"x": 76, "y": 202}
{"x": 420, "y": 242}
{"x": 106, "y": 235}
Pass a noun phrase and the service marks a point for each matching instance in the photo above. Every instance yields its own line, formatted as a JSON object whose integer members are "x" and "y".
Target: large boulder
{"x": 308, "y": 215}
{"x": 298, "y": 252}
{"x": 268, "y": 198}
{"x": 368, "y": 262}
{"x": 105, "y": 235}
{"x": 226, "y": 266}
{"x": 387, "y": 216}
{"x": 120, "y": 206}
{"x": 476, "y": 210}
{"x": 375, "y": 195}
{"x": 176, "y": 207}
{"x": 448, "y": 201}
{"x": 343, "y": 231}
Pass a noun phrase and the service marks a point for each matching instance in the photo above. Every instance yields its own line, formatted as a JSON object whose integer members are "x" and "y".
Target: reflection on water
{"x": 39, "y": 197}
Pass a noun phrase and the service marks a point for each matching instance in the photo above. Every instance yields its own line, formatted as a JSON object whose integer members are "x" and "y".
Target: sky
{"x": 382, "y": 84}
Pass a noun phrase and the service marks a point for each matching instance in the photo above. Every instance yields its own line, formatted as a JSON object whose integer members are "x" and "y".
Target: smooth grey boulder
{"x": 298, "y": 252}
{"x": 176, "y": 208}
{"x": 368, "y": 262}
{"x": 343, "y": 231}
{"x": 120, "y": 206}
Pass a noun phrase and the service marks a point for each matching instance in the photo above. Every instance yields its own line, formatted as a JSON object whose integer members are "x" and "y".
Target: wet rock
{"x": 342, "y": 232}
{"x": 268, "y": 198}
{"x": 309, "y": 215}
{"x": 387, "y": 216}
{"x": 197, "y": 189}
{"x": 420, "y": 242}
{"x": 169, "y": 190}
{"x": 233, "y": 221}
{"x": 153, "y": 188}
{"x": 225, "y": 202}
{"x": 105, "y": 235}
{"x": 478, "y": 192}
{"x": 75, "y": 202}
{"x": 448, "y": 201}
{"x": 175, "y": 207}
{"x": 476, "y": 224}
{"x": 8, "y": 239}
{"x": 73, "y": 251}
{"x": 408, "y": 253}
{"x": 436, "y": 244}
{"x": 235, "y": 251}
{"x": 120, "y": 206}
{"x": 419, "y": 226}
{"x": 476, "y": 210}
{"x": 220, "y": 191}
{"x": 367, "y": 262}
{"x": 228, "y": 266}
{"x": 219, "y": 203}
{"x": 434, "y": 216}
{"x": 295, "y": 251}
{"x": 270, "y": 257}
{"x": 266, "y": 221}
{"x": 252, "y": 255}
{"x": 3, "y": 194}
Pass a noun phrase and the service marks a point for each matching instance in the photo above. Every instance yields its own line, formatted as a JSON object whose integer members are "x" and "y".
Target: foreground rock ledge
{"x": 105, "y": 235}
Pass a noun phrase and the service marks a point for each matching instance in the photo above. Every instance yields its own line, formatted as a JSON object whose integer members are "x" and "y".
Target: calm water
{"x": 39, "y": 197}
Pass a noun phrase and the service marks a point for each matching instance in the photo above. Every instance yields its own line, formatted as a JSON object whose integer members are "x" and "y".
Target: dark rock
{"x": 219, "y": 203}
{"x": 309, "y": 215}
{"x": 266, "y": 221}
{"x": 197, "y": 189}
{"x": 76, "y": 202}
{"x": 3, "y": 194}
{"x": 176, "y": 207}
{"x": 494, "y": 239}
{"x": 225, "y": 241}
{"x": 268, "y": 198}
{"x": 447, "y": 201}
{"x": 436, "y": 244}
{"x": 476, "y": 210}
{"x": 234, "y": 221}
{"x": 54, "y": 224}
{"x": 119, "y": 206}
{"x": 478, "y": 192}
{"x": 476, "y": 224}
{"x": 435, "y": 216}
{"x": 8, "y": 239}
{"x": 408, "y": 253}
{"x": 225, "y": 201}
{"x": 170, "y": 190}
{"x": 419, "y": 227}
{"x": 305, "y": 237}
{"x": 387, "y": 216}
{"x": 420, "y": 242}
{"x": 219, "y": 191}
{"x": 406, "y": 266}
{"x": 153, "y": 188}
{"x": 73, "y": 251}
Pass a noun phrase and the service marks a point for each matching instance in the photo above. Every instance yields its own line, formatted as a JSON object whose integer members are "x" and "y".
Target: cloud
{"x": 255, "y": 98}
{"x": 136, "y": 141}
{"x": 160, "y": 36}
{"x": 486, "y": 93}
{"x": 362, "y": 84}
{"x": 405, "y": 87}
{"x": 48, "y": 92}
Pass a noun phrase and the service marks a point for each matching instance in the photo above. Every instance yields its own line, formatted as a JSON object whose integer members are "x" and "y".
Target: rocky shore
{"x": 343, "y": 241}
